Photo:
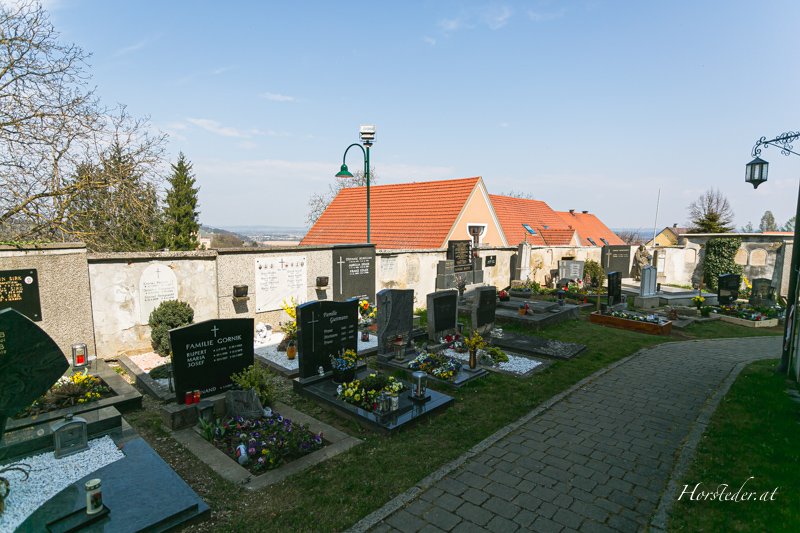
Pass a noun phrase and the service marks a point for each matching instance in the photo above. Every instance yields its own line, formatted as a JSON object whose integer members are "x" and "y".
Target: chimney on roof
{"x": 572, "y": 212}
{"x": 585, "y": 212}
{"x": 675, "y": 225}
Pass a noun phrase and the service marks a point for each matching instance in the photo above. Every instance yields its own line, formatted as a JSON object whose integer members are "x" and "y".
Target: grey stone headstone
{"x": 354, "y": 273}
{"x": 483, "y": 311}
{"x": 617, "y": 258}
{"x": 395, "y": 316}
{"x": 445, "y": 268}
{"x": 325, "y": 328}
{"x": 614, "y": 288}
{"x": 442, "y": 313}
{"x": 648, "y": 284}
{"x": 523, "y": 270}
{"x": 30, "y": 363}
{"x": 570, "y": 270}
{"x": 244, "y": 403}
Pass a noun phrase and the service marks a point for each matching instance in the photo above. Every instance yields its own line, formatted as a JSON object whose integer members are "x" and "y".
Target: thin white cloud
{"x": 226, "y": 131}
{"x": 497, "y": 17}
{"x": 223, "y": 69}
{"x": 276, "y": 97}
{"x": 429, "y": 40}
{"x": 449, "y": 25}
{"x": 504, "y": 124}
{"x": 247, "y": 145}
{"x": 141, "y": 44}
{"x": 542, "y": 17}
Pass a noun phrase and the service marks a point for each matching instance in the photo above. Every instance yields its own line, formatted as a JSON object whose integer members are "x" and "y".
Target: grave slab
{"x": 134, "y": 490}
{"x": 527, "y": 344}
{"x": 538, "y": 320}
{"x": 464, "y": 376}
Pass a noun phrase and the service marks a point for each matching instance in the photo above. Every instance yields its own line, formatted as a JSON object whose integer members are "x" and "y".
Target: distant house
{"x": 426, "y": 215}
{"x": 669, "y": 236}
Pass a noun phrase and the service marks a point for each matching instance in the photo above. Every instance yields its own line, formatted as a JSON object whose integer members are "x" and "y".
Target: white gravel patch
{"x": 270, "y": 351}
{"x": 49, "y": 476}
{"x": 515, "y": 364}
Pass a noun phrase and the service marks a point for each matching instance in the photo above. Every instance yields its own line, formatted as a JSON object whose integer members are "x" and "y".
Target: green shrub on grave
{"x": 595, "y": 271}
{"x": 169, "y": 315}
{"x": 259, "y": 379}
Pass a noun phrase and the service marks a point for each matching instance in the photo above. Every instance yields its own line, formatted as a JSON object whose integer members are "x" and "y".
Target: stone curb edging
{"x": 408, "y": 495}
{"x": 660, "y": 519}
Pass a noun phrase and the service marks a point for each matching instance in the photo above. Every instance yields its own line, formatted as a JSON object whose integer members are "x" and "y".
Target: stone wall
{"x": 63, "y": 290}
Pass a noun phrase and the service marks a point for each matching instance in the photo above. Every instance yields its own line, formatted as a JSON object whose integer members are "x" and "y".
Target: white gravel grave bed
{"x": 515, "y": 364}
{"x": 269, "y": 351}
{"x": 49, "y": 476}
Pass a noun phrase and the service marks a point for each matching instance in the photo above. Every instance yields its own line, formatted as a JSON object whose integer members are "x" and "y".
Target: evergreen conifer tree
{"x": 180, "y": 212}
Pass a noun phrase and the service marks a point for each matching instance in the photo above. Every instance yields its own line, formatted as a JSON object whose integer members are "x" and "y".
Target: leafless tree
{"x": 519, "y": 194}
{"x": 318, "y": 202}
{"x": 711, "y": 213}
{"x": 51, "y": 126}
{"x": 630, "y": 236}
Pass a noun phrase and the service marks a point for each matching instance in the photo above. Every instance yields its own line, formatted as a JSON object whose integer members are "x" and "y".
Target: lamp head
{"x": 344, "y": 173}
{"x": 756, "y": 172}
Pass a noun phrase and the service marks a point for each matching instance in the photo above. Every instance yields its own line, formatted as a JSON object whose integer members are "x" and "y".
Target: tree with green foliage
{"x": 768, "y": 222}
{"x": 719, "y": 259}
{"x": 789, "y": 226}
{"x": 748, "y": 228}
{"x": 168, "y": 315}
{"x": 181, "y": 218}
{"x": 711, "y": 213}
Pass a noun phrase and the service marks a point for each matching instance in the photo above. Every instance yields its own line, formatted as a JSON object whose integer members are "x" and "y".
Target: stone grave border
{"x": 631, "y": 325}
{"x": 336, "y": 442}
{"x": 142, "y": 379}
{"x": 479, "y": 372}
{"x": 770, "y": 322}
{"x": 529, "y": 374}
{"x": 126, "y": 399}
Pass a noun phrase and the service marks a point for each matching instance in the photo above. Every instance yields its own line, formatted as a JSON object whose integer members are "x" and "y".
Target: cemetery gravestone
{"x": 617, "y": 258}
{"x": 204, "y": 355}
{"x": 728, "y": 288}
{"x": 354, "y": 273}
{"x": 30, "y": 363}
{"x": 647, "y": 286}
{"x": 570, "y": 270}
{"x": 395, "y": 317}
{"x": 762, "y": 292}
{"x": 614, "y": 288}
{"x": 278, "y": 279}
{"x": 157, "y": 284}
{"x": 445, "y": 275}
{"x": 19, "y": 290}
{"x": 483, "y": 312}
{"x": 459, "y": 253}
{"x": 442, "y": 314}
{"x": 522, "y": 271}
{"x": 325, "y": 328}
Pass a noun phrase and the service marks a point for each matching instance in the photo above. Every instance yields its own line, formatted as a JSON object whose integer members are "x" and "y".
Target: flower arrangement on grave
{"x": 438, "y": 365}
{"x": 749, "y": 313}
{"x": 364, "y": 393}
{"x": 268, "y": 442}
{"x": 80, "y": 388}
{"x": 705, "y": 311}
{"x": 747, "y": 288}
{"x": 698, "y": 300}
{"x": 474, "y": 341}
{"x": 503, "y": 295}
{"x": 652, "y": 319}
{"x": 344, "y": 360}
{"x": 289, "y": 328}
{"x": 367, "y": 313}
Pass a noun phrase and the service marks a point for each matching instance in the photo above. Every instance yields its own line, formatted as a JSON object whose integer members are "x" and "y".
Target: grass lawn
{"x": 336, "y": 494}
{"x": 754, "y": 432}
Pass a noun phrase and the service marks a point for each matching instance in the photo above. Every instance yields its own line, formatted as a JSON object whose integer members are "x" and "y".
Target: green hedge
{"x": 719, "y": 260}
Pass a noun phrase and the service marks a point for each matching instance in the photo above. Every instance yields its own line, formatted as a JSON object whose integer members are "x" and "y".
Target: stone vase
{"x": 473, "y": 358}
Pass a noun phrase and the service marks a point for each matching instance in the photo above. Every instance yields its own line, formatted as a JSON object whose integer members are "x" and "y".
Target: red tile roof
{"x": 402, "y": 216}
{"x": 589, "y": 227}
{"x": 514, "y": 212}
{"x": 559, "y": 237}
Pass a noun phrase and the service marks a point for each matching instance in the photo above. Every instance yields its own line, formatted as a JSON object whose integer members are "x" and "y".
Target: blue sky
{"x": 588, "y": 105}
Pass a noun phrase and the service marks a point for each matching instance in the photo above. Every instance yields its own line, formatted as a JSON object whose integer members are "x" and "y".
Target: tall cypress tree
{"x": 180, "y": 212}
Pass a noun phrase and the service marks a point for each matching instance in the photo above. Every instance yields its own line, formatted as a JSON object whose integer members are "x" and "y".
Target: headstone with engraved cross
{"x": 354, "y": 273}
{"x": 204, "y": 355}
{"x": 395, "y": 317}
{"x": 324, "y": 328}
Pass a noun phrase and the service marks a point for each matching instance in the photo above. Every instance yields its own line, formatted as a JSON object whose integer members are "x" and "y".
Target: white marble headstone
{"x": 157, "y": 284}
{"x": 279, "y": 278}
{"x": 648, "y": 284}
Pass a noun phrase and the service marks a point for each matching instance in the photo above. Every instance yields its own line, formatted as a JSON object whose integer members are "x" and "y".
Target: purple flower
{"x": 317, "y": 439}
{"x": 251, "y": 451}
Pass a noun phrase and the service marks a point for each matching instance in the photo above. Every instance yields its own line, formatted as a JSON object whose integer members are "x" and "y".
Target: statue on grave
{"x": 641, "y": 259}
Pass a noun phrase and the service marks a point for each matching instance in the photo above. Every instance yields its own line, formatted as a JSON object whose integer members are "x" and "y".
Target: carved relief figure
{"x": 641, "y": 259}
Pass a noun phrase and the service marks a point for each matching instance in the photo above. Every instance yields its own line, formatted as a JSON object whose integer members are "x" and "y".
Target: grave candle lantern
{"x": 384, "y": 403}
{"x": 94, "y": 496}
{"x": 399, "y": 349}
{"x": 79, "y": 356}
{"x": 419, "y": 381}
{"x": 70, "y": 436}
{"x": 364, "y": 336}
{"x": 239, "y": 291}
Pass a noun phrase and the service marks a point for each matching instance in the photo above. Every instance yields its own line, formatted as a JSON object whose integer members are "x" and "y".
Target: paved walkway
{"x": 597, "y": 460}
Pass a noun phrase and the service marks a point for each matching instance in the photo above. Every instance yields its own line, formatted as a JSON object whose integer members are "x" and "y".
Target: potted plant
{"x": 473, "y": 342}
{"x": 698, "y": 301}
{"x": 344, "y": 366}
{"x": 503, "y": 295}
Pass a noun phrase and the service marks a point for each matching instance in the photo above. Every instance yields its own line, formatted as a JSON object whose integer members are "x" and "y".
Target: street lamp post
{"x": 367, "y": 136}
{"x": 755, "y": 174}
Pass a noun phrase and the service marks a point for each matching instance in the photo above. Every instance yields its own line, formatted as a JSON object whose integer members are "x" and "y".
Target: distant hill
{"x": 226, "y": 239}
{"x": 244, "y": 230}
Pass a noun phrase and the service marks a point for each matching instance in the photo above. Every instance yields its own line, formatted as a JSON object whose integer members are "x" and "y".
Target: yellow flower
{"x": 358, "y": 397}
{"x": 264, "y": 451}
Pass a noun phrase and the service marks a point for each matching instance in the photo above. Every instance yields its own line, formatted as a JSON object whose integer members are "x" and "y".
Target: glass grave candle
{"x": 419, "y": 383}
{"x": 94, "y": 496}
{"x": 70, "y": 436}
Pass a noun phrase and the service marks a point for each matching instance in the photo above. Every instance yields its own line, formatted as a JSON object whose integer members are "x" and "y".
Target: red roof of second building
{"x": 514, "y": 212}
{"x": 588, "y": 227}
{"x": 402, "y": 216}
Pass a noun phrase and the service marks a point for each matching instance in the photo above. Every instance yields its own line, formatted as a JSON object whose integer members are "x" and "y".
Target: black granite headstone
{"x": 354, "y": 273}
{"x": 459, "y": 253}
{"x": 395, "y": 316}
{"x": 442, "y": 313}
{"x": 323, "y": 329}
{"x": 30, "y": 363}
{"x": 19, "y": 290}
{"x": 483, "y": 312}
{"x": 616, "y": 258}
{"x": 614, "y": 288}
{"x": 728, "y": 288}
{"x": 204, "y": 355}
{"x": 491, "y": 260}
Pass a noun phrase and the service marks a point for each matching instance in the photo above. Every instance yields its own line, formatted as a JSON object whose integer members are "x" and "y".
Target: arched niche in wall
{"x": 741, "y": 257}
{"x": 758, "y": 257}
{"x": 690, "y": 256}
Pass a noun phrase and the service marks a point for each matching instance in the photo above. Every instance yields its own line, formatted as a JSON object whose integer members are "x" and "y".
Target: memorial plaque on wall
{"x": 570, "y": 270}
{"x": 617, "y": 258}
{"x": 325, "y": 328}
{"x": 204, "y": 355}
{"x": 157, "y": 284}
{"x": 491, "y": 260}
{"x": 280, "y": 278}
{"x": 458, "y": 252}
{"x": 19, "y": 290}
{"x": 354, "y": 273}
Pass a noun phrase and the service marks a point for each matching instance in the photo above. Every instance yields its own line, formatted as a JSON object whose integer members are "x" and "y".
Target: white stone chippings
{"x": 49, "y": 476}
{"x": 515, "y": 364}
{"x": 270, "y": 351}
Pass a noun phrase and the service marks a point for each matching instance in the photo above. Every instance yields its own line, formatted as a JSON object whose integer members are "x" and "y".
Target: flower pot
{"x": 291, "y": 350}
{"x": 344, "y": 376}
{"x": 521, "y": 312}
{"x": 473, "y": 359}
{"x": 504, "y": 298}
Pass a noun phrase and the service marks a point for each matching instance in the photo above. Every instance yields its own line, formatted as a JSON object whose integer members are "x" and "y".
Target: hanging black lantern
{"x": 756, "y": 172}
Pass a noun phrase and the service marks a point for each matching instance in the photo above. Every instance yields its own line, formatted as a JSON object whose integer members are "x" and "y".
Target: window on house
{"x": 530, "y": 229}
{"x": 591, "y": 241}
{"x": 604, "y": 241}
